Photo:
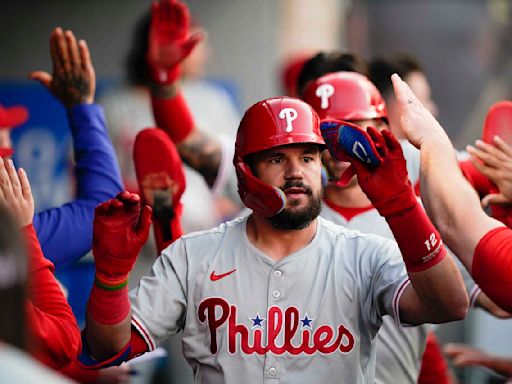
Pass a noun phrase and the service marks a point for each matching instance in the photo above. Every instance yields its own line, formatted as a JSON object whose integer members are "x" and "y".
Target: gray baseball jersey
{"x": 310, "y": 317}
{"x": 399, "y": 349}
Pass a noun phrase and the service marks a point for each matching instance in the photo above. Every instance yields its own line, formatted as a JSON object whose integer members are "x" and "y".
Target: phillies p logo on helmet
{"x": 324, "y": 91}
{"x": 290, "y": 115}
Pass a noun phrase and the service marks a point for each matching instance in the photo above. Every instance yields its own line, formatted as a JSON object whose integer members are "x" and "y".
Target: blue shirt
{"x": 65, "y": 232}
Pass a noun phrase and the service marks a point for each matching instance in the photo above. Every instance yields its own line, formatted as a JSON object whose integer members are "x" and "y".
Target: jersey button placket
{"x": 276, "y": 286}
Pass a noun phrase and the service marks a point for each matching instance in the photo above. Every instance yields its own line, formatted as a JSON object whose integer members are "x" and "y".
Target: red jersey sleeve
{"x": 54, "y": 336}
{"x": 492, "y": 266}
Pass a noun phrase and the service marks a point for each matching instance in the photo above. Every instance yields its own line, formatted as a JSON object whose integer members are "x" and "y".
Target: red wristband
{"x": 164, "y": 76}
{"x": 173, "y": 116}
{"x": 418, "y": 240}
{"x": 108, "y": 307}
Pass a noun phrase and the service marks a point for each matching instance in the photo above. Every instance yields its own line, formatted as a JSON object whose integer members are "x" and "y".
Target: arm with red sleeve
{"x": 121, "y": 227}
{"x": 453, "y": 205}
{"x": 169, "y": 44}
{"x": 54, "y": 337}
{"x": 382, "y": 174}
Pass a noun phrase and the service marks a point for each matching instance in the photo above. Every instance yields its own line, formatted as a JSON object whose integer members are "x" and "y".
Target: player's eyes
{"x": 308, "y": 159}
{"x": 275, "y": 160}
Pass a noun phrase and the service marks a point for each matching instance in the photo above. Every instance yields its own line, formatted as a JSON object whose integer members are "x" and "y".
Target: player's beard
{"x": 292, "y": 219}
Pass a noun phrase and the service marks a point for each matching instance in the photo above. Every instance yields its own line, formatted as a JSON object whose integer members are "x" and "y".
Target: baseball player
{"x": 280, "y": 293}
{"x": 482, "y": 243}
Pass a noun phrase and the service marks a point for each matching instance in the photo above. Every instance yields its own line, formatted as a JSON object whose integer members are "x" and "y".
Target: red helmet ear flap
{"x": 260, "y": 197}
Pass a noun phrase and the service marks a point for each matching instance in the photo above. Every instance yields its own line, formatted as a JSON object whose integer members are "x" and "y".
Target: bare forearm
{"x": 203, "y": 154}
{"x": 106, "y": 341}
{"x": 501, "y": 365}
{"x": 449, "y": 200}
{"x": 436, "y": 295}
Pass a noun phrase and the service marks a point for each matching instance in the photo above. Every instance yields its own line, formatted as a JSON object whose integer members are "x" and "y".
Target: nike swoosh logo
{"x": 214, "y": 277}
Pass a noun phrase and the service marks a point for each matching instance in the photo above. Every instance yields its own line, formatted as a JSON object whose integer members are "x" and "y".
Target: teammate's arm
{"x": 73, "y": 83}
{"x": 52, "y": 329}
{"x": 449, "y": 200}
{"x": 169, "y": 44}
{"x": 480, "y": 242}
{"x": 121, "y": 227}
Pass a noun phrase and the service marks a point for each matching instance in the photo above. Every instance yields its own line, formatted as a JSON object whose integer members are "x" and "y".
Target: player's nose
{"x": 293, "y": 169}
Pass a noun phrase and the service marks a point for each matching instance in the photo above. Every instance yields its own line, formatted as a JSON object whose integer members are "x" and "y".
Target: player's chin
{"x": 297, "y": 201}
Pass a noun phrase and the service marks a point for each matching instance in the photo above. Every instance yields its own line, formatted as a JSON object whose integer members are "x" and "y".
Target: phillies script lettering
{"x": 216, "y": 312}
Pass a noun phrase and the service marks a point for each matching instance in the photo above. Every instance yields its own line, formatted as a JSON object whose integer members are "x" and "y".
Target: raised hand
{"x": 169, "y": 41}
{"x": 495, "y": 162}
{"x": 121, "y": 228}
{"x": 73, "y": 80}
{"x": 15, "y": 192}
{"x": 416, "y": 120}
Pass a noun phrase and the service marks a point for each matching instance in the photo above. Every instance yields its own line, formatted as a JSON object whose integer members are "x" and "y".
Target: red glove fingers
{"x": 387, "y": 186}
{"x": 169, "y": 41}
{"x": 121, "y": 228}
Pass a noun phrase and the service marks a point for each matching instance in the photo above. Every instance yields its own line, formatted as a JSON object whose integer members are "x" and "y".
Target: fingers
{"x": 490, "y": 172}
{"x": 62, "y": 52}
{"x": 181, "y": 17}
{"x": 489, "y": 153}
{"x": 43, "y": 77}
{"x": 494, "y": 198}
{"x": 14, "y": 179}
{"x": 73, "y": 54}
{"x": 26, "y": 189}
{"x": 142, "y": 228}
{"x": 54, "y": 51}
{"x": 503, "y": 146}
{"x": 453, "y": 348}
{"x": 398, "y": 87}
{"x": 191, "y": 43}
{"x": 378, "y": 141}
{"x": 403, "y": 92}
{"x": 128, "y": 199}
{"x": 87, "y": 70}
{"x": 85, "y": 57}
{"x": 5, "y": 182}
{"x": 491, "y": 162}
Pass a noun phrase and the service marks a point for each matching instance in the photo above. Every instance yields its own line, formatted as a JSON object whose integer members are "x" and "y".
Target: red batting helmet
{"x": 267, "y": 124}
{"x": 345, "y": 96}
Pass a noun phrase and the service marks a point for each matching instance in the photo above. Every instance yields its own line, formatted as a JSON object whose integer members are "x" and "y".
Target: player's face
{"x": 296, "y": 170}
{"x": 336, "y": 168}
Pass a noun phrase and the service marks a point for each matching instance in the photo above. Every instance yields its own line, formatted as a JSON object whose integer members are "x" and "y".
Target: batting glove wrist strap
{"x": 418, "y": 240}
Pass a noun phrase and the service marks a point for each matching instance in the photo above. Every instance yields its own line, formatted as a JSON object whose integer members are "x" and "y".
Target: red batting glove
{"x": 120, "y": 230}
{"x": 387, "y": 186}
{"x": 169, "y": 41}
